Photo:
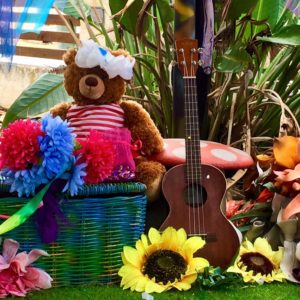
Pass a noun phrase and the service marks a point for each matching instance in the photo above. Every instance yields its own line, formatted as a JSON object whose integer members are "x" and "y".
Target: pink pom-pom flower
{"x": 99, "y": 156}
{"x": 19, "y": 145}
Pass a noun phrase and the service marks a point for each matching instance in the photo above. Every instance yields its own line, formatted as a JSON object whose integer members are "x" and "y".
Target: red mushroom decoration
{"x": 212, "y": 153}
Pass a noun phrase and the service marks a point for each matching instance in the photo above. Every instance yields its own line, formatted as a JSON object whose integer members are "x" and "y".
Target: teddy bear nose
{"x": 91, "y": 81}
{"x": 91, "y": 86}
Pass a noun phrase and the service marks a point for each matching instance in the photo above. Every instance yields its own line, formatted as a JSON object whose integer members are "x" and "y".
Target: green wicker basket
{"x": 100, "y": 221}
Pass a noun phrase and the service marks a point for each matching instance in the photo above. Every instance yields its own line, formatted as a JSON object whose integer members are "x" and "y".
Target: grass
{"x": 274, "y": 291}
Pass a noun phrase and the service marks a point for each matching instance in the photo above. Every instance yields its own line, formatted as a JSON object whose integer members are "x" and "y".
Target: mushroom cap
{"x": 212, "y": 153}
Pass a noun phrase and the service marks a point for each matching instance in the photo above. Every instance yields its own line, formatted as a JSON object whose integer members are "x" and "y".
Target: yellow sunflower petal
{"x": 182, "y": 236}
{"x": 182, "y": 286}
{"x": 262, "y": 246}
{"x": 132, "y": 256}
{"x": 169, "y": 239}
{"x": 129, "y": 270}
{"x": 141, "y": 284}
{"x": 154, "y": 236}
{"x": 190, "y": 246}
{"x": 131, "y": 284}
{"x": 247, "y": 246}
{"x": 277, "y": 256}
{"x": 144, "y": 240}
{"x": 197, "y": 265}
{"x": 140, "y": 248}
{"x": 191, "y": 278}
{"x": 153, "y": 287}
{"x": 129, "y": 277}
{"x": 234, "y": 269}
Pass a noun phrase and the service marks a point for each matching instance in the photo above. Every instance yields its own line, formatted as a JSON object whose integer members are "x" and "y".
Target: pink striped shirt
{"x": 97, "y": 117}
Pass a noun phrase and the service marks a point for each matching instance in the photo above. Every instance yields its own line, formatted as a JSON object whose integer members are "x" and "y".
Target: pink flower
{"x": 99, "y": 155}
{"x": 16, "y": 275}
{"x": 19, "y": 146}
{"x": 233, "y": 206}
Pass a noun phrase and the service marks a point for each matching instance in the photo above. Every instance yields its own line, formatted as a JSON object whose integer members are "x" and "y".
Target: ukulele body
{"x": 201, "y": 216}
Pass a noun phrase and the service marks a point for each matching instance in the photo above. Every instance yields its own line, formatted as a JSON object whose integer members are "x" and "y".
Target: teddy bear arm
{"x": 60, "y": 110}
{"x": 142, "y": 127}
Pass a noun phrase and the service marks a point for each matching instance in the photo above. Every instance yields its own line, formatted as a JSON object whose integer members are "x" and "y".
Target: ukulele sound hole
{"x": 195, "y": 195}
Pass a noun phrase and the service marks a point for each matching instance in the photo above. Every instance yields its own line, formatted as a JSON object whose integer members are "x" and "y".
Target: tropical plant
{"x": 255, "y": 86}
{"x": 145, "y": 29}
{"x": 255, "y": 80}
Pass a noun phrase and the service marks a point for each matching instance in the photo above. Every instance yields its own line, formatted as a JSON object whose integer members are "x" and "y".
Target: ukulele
{"x": 194, "y": 191}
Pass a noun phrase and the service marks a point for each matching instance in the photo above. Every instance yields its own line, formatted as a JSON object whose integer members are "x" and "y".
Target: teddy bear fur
{"x": 136, "y": 118}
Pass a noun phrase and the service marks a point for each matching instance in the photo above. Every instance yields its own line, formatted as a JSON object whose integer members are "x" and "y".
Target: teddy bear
{"x": 95, "y": 77}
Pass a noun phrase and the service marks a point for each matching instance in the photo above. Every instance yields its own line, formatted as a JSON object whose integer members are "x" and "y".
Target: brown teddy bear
{"x": 95, "y": 77}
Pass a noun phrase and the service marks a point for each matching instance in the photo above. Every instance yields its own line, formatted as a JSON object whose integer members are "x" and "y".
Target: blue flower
{"x": 75, "y": 177}
{"x": 56, "y": 146}
{"x": 24, "y": 182}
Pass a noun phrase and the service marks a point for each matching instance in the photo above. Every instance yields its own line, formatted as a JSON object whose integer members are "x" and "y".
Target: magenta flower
{"x": 17, "y": 277}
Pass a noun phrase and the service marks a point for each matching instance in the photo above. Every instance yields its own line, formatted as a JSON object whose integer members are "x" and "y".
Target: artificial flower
{"x": 17, "y": 277}
{"x": 287, "y": 151}
{"x": 233, "y": 206}
{"x": 75, "y": 177}
{"x": 99, "y": 156}
{"x": 25, "y": 182}
{"x": 19, "y": 146}
{"x": 257, "y": 262}
{"x": 265, "y": 160}
{"x": 265, "y": 196}
{"x": 160, "y": 262}
{"x": 56, "y": 145}
{"x": 288, "y": 180}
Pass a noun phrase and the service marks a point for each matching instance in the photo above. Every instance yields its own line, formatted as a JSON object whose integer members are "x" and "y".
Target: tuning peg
{"x": 200, "y": 62}
{"x": 193, "y": 50}
{"x": 200, "y": 50}
{"x": 172, "y": 50}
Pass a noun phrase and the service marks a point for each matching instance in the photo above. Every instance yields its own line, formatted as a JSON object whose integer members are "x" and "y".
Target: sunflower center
{"x": 165, "y": 265}
{"x": 258, "y": 263}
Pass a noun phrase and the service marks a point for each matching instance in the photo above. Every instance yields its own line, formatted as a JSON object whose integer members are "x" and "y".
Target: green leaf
{"x": 270, "y": 10}
{"x": 39, "y": 97}
{"x": 166, "y": 12}
{"x": 25, "y": 212}
{"x": 129, "y": 18}
{"x": 69, "y": 8}
{"x": 235, "y": 59}
{"x": 239, "y": 7}
{"x": 289, "y": 35}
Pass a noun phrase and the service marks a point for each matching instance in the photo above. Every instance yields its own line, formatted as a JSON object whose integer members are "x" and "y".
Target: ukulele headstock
{"x": 187, "y": 53}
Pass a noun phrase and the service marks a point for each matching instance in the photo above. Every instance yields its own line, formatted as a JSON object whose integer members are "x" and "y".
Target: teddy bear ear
{"x": 69, "y": 56}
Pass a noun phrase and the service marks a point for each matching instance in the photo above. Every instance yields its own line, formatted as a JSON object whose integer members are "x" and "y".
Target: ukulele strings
{"x": 187, "y": 133}
{"x": 197, "y": 152}
{"x": 196, "y": 142}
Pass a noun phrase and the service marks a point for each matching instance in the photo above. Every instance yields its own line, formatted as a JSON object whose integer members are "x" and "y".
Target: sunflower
{"x": 258, "y": 262}
{"x": 160, "y": 262}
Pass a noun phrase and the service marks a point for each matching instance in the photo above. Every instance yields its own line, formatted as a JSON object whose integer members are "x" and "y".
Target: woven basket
{"x": 101, "y": 220}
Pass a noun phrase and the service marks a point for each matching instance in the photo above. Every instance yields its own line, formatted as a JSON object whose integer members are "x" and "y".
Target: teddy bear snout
{"x": 91, "y": 86}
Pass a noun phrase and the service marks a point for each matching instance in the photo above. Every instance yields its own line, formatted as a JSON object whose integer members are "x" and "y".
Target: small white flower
{"x": 90, "y": 55}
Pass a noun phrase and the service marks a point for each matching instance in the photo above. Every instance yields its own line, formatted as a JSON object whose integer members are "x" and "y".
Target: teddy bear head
{"x": 95, "y": 75}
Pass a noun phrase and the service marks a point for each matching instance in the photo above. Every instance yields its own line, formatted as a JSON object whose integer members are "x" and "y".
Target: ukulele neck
{"x": 192, "y": 130}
